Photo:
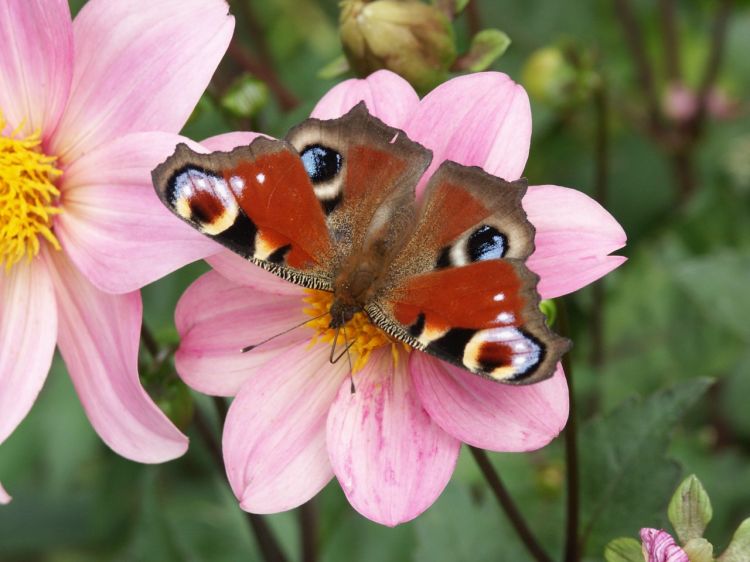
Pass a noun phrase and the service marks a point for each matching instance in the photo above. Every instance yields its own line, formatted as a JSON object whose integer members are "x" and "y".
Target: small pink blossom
{"x": 659, "y": 546}
{"x": 393, "y": 444}
{"x": 104, "y": 97}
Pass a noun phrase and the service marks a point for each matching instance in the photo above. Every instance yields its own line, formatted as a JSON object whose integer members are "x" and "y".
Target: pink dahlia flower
{"x": 87, "y": 108}
{"x": 659, "y": 546}
{"x": 392, "y": 444}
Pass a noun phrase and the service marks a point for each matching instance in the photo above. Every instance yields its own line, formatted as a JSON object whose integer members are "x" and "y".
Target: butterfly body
{"x": 333, "y": 208}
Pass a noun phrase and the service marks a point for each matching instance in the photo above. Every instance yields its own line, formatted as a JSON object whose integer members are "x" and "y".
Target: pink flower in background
{"x": 659, "y": 546}
{"x": 87, "y": 109}
{"x": 392, "y": 444}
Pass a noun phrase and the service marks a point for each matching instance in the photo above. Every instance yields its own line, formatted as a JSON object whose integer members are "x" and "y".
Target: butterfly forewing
{"x": 257, "y": 201}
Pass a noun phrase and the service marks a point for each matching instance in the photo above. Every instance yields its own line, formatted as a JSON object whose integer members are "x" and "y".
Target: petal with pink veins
{"x": 216, "y": 318}
{"x": 28, "y": 331}
{"x": 243, "y": 272}
{"x": 481, "y": 119}
{"x": 574, "y": 235}
{"x": 275, "y": 433}
{"x": 36, "y": 63}
{"x": 98, "y": 338}
{"x": 388, "y": 97}
{"x": 390, "y": 458}
{"x": 488, "y": 414}
{"x": 659, "y": 546}
{"x": 4, "y": 496}
{"x": 139, "y": 66}
{"x": 114, "y": 227}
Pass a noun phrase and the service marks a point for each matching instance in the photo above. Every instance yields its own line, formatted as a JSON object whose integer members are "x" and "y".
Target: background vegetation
{"x": 646, "y": 337}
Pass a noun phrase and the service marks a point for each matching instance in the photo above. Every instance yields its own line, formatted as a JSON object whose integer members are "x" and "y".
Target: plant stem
{"x": 269, "y": 546}
{"x": 507, "y": 504}
{"x": 149, "y": 341}
{"x": 572, "y": 543}
{"x": 601, "y": 175}
{"x": 307, "y": 515}
{"x": 671, "y": 40}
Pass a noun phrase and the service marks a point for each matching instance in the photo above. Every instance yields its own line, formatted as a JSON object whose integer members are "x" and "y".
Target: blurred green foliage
{"x": 677, "y": 311}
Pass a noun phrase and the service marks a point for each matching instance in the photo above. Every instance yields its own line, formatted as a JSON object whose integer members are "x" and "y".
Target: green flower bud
{"x": 690, "y": 509}
{"x": 407, "y": 37}
{"x": 549, "y": 76}
{"x": 699, "y": 550}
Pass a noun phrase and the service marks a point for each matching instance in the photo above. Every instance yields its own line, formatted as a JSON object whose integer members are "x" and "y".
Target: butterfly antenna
{"x": 336, "y": 358}
{"x": 351, "y": 369}
{"x": 251, "y": 347}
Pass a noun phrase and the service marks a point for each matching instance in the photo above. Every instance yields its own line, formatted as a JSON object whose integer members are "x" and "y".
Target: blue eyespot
{"x": 321, "y": 163}
{"x": 486, "y": 243}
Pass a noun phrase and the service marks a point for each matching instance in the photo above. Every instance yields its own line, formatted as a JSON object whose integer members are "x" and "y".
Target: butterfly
{"x": 332, "y": 207}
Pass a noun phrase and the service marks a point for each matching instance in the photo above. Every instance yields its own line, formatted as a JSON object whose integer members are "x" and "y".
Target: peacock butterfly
{"x": 333, "y": 208}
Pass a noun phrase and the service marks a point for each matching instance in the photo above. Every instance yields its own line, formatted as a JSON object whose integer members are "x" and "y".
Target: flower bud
{"x": 407, "y": 37}
{"x": 548, "y": 76}
{"x": 690, "y": 509}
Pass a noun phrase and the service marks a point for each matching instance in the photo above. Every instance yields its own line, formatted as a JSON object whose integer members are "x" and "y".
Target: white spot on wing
{"x": 261, "y": 177}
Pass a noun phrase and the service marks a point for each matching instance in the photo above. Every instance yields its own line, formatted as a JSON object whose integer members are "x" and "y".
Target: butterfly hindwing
{"x": 256, "y": 200}
{"x": 459, "y": 289}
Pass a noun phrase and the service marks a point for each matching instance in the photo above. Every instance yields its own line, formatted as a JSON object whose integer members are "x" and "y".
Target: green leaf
{"x": 739, "y": 549}
{"x": 626, "y": 475}
{"x": 716, "y": 283}
{"x": 335, "y": 68}
{"x": 486, "y": 47}
{"x": 461, "y": 528}
{"x": 690, "y": 509}
{"x": 624, "y": 549}
{"x": 245, "y": 97}
{"x": 451, "y": 8}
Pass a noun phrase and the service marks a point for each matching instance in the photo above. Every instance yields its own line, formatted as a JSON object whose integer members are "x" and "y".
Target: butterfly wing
{"x": 459, "y": 288}
{"x": 301, "y": 207}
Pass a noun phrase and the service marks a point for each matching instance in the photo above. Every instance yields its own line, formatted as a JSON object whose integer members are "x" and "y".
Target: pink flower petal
{"x": 98, "y": 339}
{"x": 659, "y": 546}
{"x": 390, "y": 458}
{"x": 242, "y": 272}
{"x": 274, "y": 437}
{"x": 227, "y": 141}
{"x": 28, "y": 331}
{"x": 574, "y": 235}
{"x": 388, "y": 97}
{"x": 4, "y": 496}
{"x": 36, "y": 63}
{"x": 488, "y": 414}
{"x": 216, "y": 318}
{"x": 114, "y": 227}
{"x": 481, "y": 119}
{"x": 139, "y": 66}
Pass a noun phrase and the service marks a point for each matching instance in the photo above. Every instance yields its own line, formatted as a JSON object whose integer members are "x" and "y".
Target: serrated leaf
{"x": 699, "y": 550}
{"x": 486, "y": 47}
{"x": 690, "y": 509}
{"x": 335, "y": 68}
{"x": 624, "y": 549}
{"x": 628, "y": 478}
{"x": 245, "y": 97}
{"x": 739, "y": 549}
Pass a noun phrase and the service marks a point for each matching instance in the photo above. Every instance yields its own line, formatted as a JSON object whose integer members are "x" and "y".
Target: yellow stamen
{"x": 28, "y": 196}
{"x": 363, "y": 336}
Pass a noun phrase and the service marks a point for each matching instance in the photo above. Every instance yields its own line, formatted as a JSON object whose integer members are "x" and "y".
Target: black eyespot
{"x": 321, "y": 163}
{"x": 486, "y": 243}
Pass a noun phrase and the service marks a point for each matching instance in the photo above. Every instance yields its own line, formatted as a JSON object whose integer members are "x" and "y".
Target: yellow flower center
{"x": 361, "y": 334}
{"x": 28, "y": 196}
